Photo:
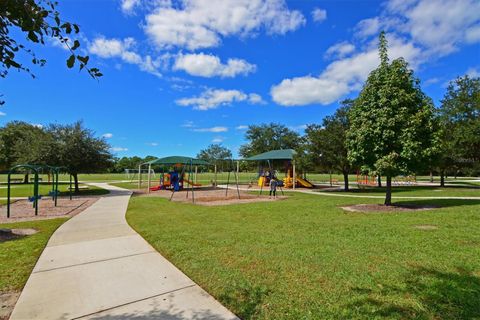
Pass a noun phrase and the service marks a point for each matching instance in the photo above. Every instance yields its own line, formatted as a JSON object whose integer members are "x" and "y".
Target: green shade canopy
{"x": 177, "y": 159}
{"x": 285, "y": 154}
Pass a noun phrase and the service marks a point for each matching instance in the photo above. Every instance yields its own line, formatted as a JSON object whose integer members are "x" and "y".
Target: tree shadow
{"x": 438, "y": 203}
{"x": 399, "y": 189}
{"x": 245, "y": 298}
{"x": 435, "y": 294}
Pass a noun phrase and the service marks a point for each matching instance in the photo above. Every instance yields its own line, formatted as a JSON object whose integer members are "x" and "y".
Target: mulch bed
{"x": 22, "y": 210}
{"x": 380, "y": 208}
{"x": 210, "y": 196}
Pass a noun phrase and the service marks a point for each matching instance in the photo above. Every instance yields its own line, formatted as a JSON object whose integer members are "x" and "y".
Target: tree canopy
{"x": 391, "y": 122}
{"x": 216, "y": 154}
{"x": 39, "y": 21}
{"x": 267, "y": 137}
{"x": 326, "y": 143}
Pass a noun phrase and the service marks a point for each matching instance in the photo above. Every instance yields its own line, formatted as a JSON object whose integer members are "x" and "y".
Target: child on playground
{"x": 273, "y": 186}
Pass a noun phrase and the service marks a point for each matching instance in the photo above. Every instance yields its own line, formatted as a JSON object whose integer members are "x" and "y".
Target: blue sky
{"x": 179, "y": 75}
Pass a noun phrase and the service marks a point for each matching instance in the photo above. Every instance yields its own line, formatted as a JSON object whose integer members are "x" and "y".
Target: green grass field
{"x": 305, "y": 258}
{"x": 413, "y": 191}
{"x": 25, "y": 190}
{"x": 18, "y": 256}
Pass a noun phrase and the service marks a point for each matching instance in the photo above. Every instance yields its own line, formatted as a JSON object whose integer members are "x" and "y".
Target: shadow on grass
{"x": 245, "y": 299}
{"x": 433, "y": 294}
{"x": 440, "y": 203}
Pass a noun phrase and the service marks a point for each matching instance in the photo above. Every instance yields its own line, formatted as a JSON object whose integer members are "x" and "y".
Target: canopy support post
{"x": 294, "y": 175}
{"x": 149, "y": 177}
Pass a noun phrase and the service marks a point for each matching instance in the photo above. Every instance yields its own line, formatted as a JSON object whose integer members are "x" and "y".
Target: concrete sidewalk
{"x": 96, "y": 267}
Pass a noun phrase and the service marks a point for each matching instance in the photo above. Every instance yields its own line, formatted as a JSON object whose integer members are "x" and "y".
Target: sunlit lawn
{"x": 25, "y": 190}
{"x": 414, "y": 191}
{"x": 305, "y": 258}
{"x": 18, "y": 256}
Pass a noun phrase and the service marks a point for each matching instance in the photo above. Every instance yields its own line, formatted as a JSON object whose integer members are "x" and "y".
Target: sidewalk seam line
{"x": 134, "y": 301}
{"x": 91, "y": 262}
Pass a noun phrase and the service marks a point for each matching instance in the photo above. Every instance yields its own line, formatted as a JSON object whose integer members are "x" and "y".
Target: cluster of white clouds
{"x": 107, "y": 135}
{"x": 319, "y": 15}
{"x": 213, "y": 98}
{"x": 118, "y": 149}
{"x": 124, "y": 49}
{"x": 418, "y": 30}
{"x": 212, "y": 129}
{"x": 208, "y": 65}
{"x": 195, "y": 24}
{"x": 2, "y": 114}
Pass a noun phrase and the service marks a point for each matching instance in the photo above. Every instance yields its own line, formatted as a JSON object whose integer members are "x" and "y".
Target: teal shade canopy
{"x": 178, "y": 159}
{"x": 284, "y": 154}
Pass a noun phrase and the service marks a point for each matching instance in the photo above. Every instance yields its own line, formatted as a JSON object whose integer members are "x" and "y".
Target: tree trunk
{"x": 75, "y": 178}
{"x": 431, "y": 177}
{"x": 345, "y": 180}
{"x": 442, "y": 178}
{"x": 388, "y": 195}
{"x": 379, "y": 179}
{"x": 25, "y": 178}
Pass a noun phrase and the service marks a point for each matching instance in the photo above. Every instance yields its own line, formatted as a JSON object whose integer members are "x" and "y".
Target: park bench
{"x": 33, "y": 179}
{"x": 16, "y": 180}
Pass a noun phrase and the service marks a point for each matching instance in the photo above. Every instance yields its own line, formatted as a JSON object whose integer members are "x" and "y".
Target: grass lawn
{"x": 25, "y": 190}
{"x": 18, "y": 256}
{"x": 415, "y": 191}
{"x": 304, "y": 258}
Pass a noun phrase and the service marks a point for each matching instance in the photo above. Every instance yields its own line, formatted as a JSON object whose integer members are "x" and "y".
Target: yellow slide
{"x": 304, "y": 183}
{"x": 191, "y": 183}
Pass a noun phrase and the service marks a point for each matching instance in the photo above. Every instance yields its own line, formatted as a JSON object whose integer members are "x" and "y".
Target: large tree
{"x": 266, "y": 137}
{"x": 78, "y": 150}
{"x": 23, "y": 143}
{"x": 216, "y": 154}
{"x": 37, "y": 22}
{"x": 391, "y": 122}
{"x": 460, "y": 121}
{"x": 326, "y": 143}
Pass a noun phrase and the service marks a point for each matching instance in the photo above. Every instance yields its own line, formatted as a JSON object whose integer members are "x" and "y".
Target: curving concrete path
{"x": 96, "y": 267}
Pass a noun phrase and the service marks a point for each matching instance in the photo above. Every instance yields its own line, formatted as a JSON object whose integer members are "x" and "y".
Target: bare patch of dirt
{"x": 426, "y": 227}
{"x": 7, "y": 302}
{"x": 22, "y": 210}
{"x": 210, "y": 196}
{"x": 380, "y": 208}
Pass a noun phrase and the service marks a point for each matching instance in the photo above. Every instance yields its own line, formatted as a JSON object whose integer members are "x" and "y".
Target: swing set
{"x": 52, "y": 171}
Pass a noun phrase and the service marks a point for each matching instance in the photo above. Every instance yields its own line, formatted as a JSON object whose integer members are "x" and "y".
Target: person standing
{"x": 273, "y": 187}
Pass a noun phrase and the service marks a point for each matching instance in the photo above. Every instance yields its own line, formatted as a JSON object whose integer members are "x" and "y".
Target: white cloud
{"x": 319, "y": 15}
{"x": 213, "y": 98}
{"x": 368, "y": 27}
{"x": 241, "y": 127}
{"x": 431, "y": 81}
{"x": 118, "y": 149}
{"x": 195, "y": 24}
{"x": 188, "y": 124}
{"x": 152, "y": 144}
{"x": 438, "y": 26}
{"x": 473, "y": 73}
{"x": 128, "y": 6}
{"x": 340, "y": 50}
{"x": 218, "y": 140}
{"x": 207, "y": 65}
{"x": 212, "y": 129}
{"x": 2, "y": 114}
{"x": 123, "y": 49}
{"x": 340, "y": 77}
{"x": 107, "y": 135}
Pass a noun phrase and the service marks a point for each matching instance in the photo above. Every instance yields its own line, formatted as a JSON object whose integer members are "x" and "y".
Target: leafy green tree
{"x": 267, "y": 137}
{"x": 216, "y": 154}
{"x": 36, "y": 21}
{"x": 392, "y": 127}
{"x": 460, "y": 120}
{"x": 78, "y": 150}
{"x": 23, "y": 143}
{"x": 327, "y": 143}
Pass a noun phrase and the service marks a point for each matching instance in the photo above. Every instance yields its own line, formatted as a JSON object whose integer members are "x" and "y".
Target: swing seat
{"x": 31, "y": 199}
{"x": 52, "y": 193}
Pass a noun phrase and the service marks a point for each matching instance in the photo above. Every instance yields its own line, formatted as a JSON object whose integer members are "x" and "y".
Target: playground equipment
{"x": 36, "y": 170}
{"x": 291, "y": 179}
{"x": 131, "y": 174}
{"x": 366, "y": 180}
